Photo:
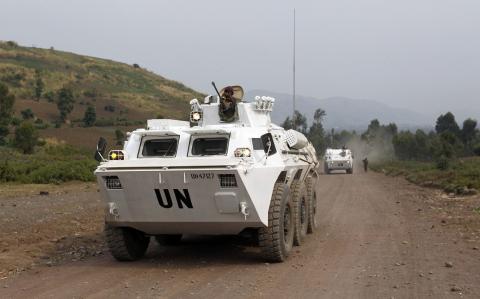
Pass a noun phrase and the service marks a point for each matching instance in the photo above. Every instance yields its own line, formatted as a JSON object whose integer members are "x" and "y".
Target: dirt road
{"x": 379, "y": 237}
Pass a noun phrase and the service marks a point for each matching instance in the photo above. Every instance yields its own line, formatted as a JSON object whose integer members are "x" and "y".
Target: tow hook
{"x": 113, "y": 210}
{"x": 244, "y": 209}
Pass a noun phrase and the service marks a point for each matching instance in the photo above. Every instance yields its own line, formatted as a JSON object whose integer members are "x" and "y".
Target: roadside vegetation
{"x": 447, "y": 157}
{"x": 462, "y": 177}
{"x": 50, "y": 163}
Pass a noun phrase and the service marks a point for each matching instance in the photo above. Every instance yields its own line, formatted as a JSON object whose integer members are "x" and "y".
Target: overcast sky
{"x": 417, "y": 54}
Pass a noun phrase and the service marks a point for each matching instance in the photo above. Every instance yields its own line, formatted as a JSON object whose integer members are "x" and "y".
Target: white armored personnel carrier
{"x": 338, "y": 159}
{"x": 228, "y": 170}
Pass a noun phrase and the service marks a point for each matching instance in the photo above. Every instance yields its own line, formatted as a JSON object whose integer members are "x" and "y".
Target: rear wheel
{"x": 301, "y": 204}
{"x": 125, "y": 243}
{"x": 312, "y": 211}
{"x": 276, "y": 240}
{"x": 168, "y": 240}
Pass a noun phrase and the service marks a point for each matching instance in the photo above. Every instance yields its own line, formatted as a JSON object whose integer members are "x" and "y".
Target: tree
{"x": 300, "y": 122}
{"x": 446, "y": 123}
{"x": 26, "y": 137}
{"x": 39, "y": 85}
{"x": 287, "y": 123}
{"x": 299, "y": 125}
{"x": 469, "y": 133}
{"x": 27, "y": 114}
{"x": 319, "y": 115}
{"x": 316, "y": 133}
{"x": 90, "y": 116}
{"x": 423, "y": 143}
{"x": 405, "y": 145}
{"x": 65, "y": 102}
{"x": 6, "y": 110}
{"x": 379, "y": 138}
{"x": 119, "y": 136}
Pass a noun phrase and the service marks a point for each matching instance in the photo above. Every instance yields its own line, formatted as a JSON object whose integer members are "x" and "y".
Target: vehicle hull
{"x": 180, "y": 201}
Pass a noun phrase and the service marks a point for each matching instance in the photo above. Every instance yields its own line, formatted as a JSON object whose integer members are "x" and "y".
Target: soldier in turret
{"x": 228, "y": 104}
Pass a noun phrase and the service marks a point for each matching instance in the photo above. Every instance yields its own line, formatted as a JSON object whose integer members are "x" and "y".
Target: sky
{"x": 423, "y": 55}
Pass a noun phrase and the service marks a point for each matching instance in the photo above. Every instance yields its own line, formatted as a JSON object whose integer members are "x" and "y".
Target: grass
{"x": 50, "y": 164}
{"x": 463, "y": 174}
{"x": 144, "y": 93}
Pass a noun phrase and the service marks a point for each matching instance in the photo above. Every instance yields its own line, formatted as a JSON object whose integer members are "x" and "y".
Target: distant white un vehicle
{"x": 228, "y": 170}
{"x": 338, "y": 159}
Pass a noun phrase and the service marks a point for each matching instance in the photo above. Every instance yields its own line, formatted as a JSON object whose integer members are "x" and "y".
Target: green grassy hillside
{"x": 124, "y": 95}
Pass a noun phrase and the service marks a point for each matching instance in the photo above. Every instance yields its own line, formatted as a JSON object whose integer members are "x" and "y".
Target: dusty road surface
{"x": 379, "y": 237}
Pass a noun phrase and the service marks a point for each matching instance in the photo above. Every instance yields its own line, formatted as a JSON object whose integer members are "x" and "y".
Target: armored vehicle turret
{"x": 227, "y": 170}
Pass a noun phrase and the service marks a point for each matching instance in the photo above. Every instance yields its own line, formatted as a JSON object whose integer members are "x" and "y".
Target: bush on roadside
{"x": 26, "y": 137}
{"x": 50, "y": 164}
{"x": 476, "y": 150}
{"x": 462, "y": 174}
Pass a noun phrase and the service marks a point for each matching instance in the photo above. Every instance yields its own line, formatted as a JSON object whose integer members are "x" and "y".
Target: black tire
{"x": 312, "y": 211}
{"x": 325, "y": 169}
{"x": 125, "y": 243}
{"x": 276, "y": 240}
{"x": 302, "y": 206}
{"x": 350, "y": 171}
{"x": 168, "y": 240}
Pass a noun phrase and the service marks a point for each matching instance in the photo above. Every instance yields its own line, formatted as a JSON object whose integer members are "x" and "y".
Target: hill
{"x": 344, "y": 113}
{"x": 124, "y": 95}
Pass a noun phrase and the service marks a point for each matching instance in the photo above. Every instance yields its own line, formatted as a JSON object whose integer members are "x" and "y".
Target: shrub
{"x": 63, "y": 171}
{"x": 91, "y": 93}
{"x": 26, "y": 137}
{"x": 442, "y": 163}
{"x": 16, "y": 121}
{"x": 476, "y": 149}
{"x": 65, "y": 102}
{"x": 104, "y": 122}
{"x": 90, "y": 116}
{"x": 12, "y": 44}
{"x": 50, "y": 96}
{"x": 7, "y": 101}
{"x": 50, "y": 164}
{"x": 109, "y": 108}
{"x": 39, "y": 85}
{"x": 27, "y": 114}
{"x": 119, "y": 136}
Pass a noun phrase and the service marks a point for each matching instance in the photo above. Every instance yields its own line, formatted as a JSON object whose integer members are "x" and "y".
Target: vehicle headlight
{"x": 116, "y": 155}
{"x": 195, "y": 116}
{"x": 243, "y": 152}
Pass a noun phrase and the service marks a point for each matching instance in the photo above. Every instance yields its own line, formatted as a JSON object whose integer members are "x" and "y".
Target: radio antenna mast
{"x": 294, "y": 121}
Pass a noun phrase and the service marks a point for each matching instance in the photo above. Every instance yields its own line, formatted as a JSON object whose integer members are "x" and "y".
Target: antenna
{"x": 294, "y": 121}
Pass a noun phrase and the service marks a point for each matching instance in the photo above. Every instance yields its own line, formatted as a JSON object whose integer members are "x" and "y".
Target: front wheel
{"x": 276, "y": 240}
{"x": 125, "y": 243}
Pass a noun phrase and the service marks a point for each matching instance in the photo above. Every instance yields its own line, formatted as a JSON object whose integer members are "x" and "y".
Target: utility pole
{"x": 294, "y": 121}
